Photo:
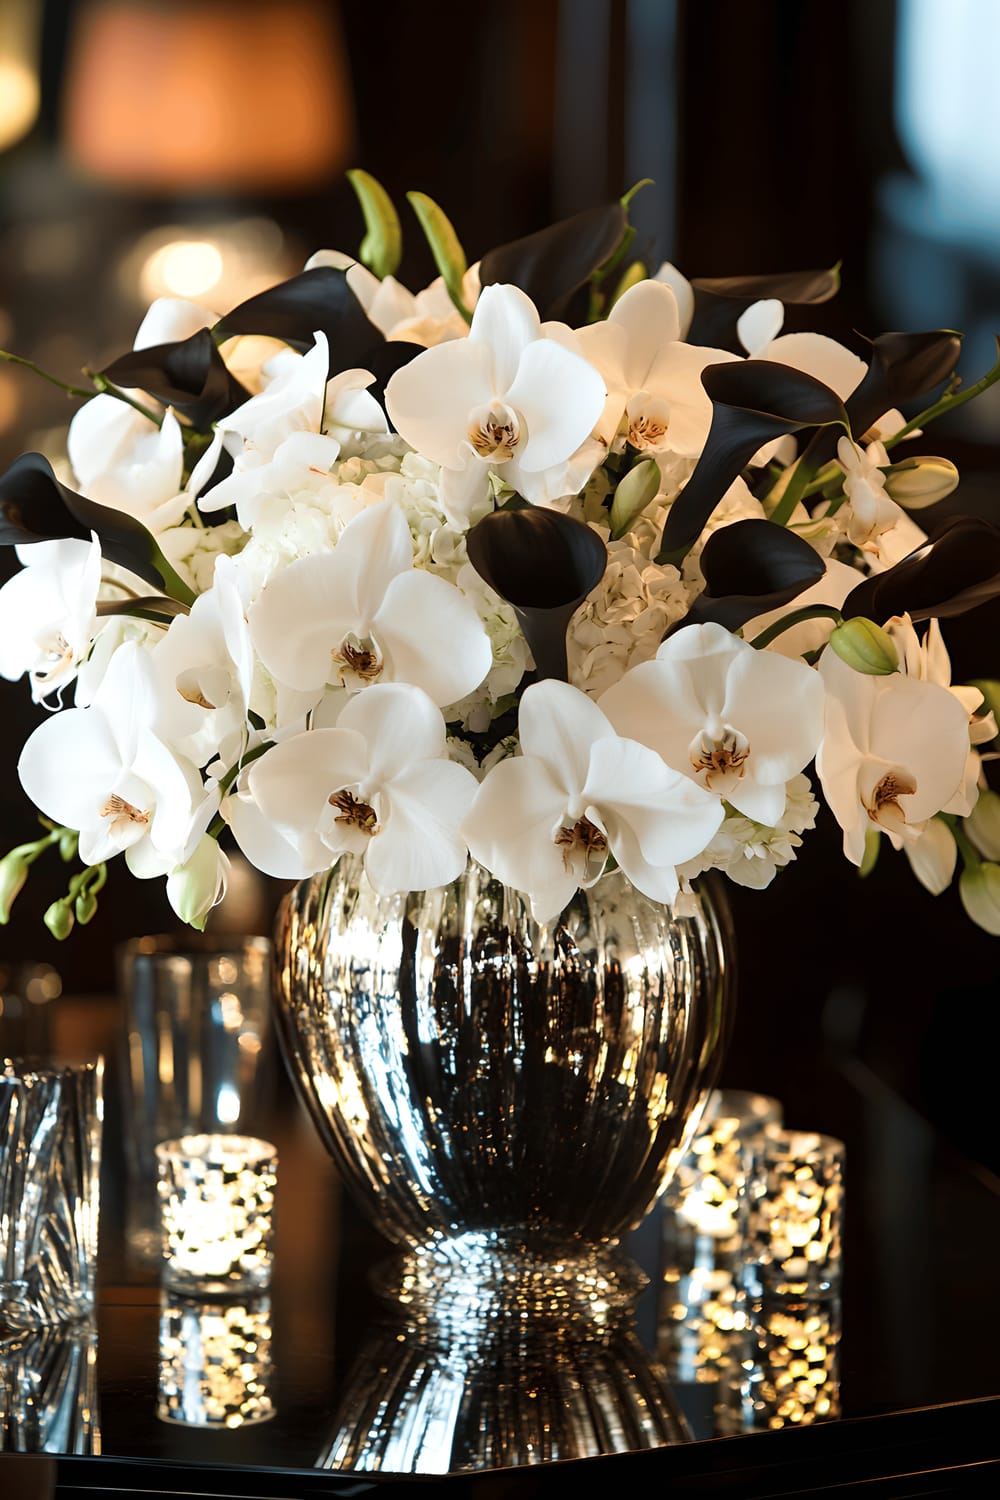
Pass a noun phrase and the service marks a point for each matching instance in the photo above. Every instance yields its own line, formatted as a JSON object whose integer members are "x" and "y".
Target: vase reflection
{"x": 514, "y": 1368}
{"x": 48, "y": 1391}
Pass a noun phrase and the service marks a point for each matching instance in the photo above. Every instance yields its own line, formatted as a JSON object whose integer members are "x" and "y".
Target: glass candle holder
{"x": 702, "y": 1326}
{"x": 216, "y": 1204}
{"x": 794, "y": 1207}
{"x": 51, "y": 1120}
{"x": 215, "y": 1363}
{"x": 792, "y": 1370}
{"x": 48, "y": 1390}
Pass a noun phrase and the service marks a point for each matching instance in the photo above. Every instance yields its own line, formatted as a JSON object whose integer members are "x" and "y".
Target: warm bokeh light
{"x": 192, "y": 96}
{"x": 183, "y": 268}
{"x": 19, "y": 88}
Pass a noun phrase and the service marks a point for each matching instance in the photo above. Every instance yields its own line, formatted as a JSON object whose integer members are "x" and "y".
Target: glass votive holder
{"x": 702, "y": 1327}
{"x": 216, "y": 1209}
{"x": 793, "y": 1215}
{"x": 215, "y": 1363}
{"x": 791, "y": 1376}
{"x": 51, "y": 1123}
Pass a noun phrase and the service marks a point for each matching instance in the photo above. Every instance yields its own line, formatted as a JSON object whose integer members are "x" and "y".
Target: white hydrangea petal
{"x": 419, "y": 845}
{"x": 449, "y": 655}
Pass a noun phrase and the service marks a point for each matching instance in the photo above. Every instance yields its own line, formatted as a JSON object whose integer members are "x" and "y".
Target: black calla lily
{"x": 189, "y": 375}
{"x": 720, "y": 302}
{"x": 554, "y": 263}
{"x": 749, "y": 569}
{"x": 544, "y": 564}
{"x": 955, "y": 571}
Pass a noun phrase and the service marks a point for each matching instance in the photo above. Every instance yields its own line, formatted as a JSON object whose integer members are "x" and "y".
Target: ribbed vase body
{"x": 484, "y": 1080}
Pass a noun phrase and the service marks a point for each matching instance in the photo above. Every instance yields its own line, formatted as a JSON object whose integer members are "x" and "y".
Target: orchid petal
{"x": 292, "y": 783}
{"x": 651, "y": 812}
{"x": 507, "y": 323}
{"x": 170, "y": 319}
{"x": 649, "y": 318}
{"x": 511, "y": 829}
{"x": 268, "y": 849}
{"x": 559, "y": 724}
{"x": 429, "y": 399}
{"x": 682, "y": 290}
{"x": 760, "y": 325}
{"x": 400, "y": 724}
{"x": 560, "y": 397}
{"x": 450, "y": 654}
{"x": 419, "y": 846}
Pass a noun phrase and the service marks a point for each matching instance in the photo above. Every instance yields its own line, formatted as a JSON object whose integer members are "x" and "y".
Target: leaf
{"x": 446, "y": 248}
{"x": 720, "y": 302}
{"x": 382, "y": 247}
{"x": 189, "y": 375}
{"x": 155, "y": 604}
{"x": 554, "y": 263}
{"x": 955, "y": 571}
{"x": 754, "y": 401}
{"x": 35, "y": 507}
{"x": 544, "y": 564}
{"x": 902, "y": 366}
{"x": 751, "y": 568}
{"x": 316, "y": 301}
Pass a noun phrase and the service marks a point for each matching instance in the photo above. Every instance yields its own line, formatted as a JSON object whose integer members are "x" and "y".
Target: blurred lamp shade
{"x": 199, "y": 96}
{"x": 19, "y": 89}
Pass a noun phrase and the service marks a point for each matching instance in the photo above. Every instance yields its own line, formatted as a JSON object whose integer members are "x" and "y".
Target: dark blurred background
{"x": 197, "y": 148}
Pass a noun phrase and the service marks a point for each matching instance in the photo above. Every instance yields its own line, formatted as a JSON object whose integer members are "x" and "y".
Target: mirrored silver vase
{"x": 505, "y": 1099}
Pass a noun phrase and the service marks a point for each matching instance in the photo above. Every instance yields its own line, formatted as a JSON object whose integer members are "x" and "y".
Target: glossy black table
{"x": 918, "y": 1368}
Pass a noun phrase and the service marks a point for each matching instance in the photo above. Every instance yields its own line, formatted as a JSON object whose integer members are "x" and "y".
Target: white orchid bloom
{"x": 869, "y": 511}
{"x": 546, "y": 821}
{"x": 380, "y": 785}
{"x": 740, "y": 722}
{"x": 123, "y": 460}
{"x": 927, "y": 660}
{"x": 656, "y": 401}
{"x": 509, "y": 399}
{"x": 204, "y": 665}
{"x": 362, "y": 614}
{"x": 48, "y": 613}
{"x": 428, "y": 317}
{"x": 103, "y": 771}
{"x": 894, "y": 752}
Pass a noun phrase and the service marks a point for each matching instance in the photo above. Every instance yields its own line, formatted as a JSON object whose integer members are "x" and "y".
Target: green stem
{"x": 27, "y": 364}
{"x": 797, "y": 617}
{"x": 104, "y": 387}
{"x": 173, "y": 583}
{"x": 950, "y": 401}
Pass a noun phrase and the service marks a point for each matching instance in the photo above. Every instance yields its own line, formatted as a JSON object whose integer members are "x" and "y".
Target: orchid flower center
{"x": 354, "y": 813}
{"x": 122, "y": 813}
{"x": 357, "y": 663}
{"x": 882, "y": 803}
{"x": 494, "y": 431}
{"x": 585, "y": 849}
{"x": 193, "y": 691}
{"x": 647, "y": 422}
{"x": 719, "y": 750}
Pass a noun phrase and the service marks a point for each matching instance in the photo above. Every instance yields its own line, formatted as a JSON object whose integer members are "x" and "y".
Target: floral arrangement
{"x": 557, "y": 563}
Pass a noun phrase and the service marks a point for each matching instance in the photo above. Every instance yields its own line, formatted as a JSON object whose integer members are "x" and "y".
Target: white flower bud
{"x": 979, "y": 888}
{"x": 922, "y": 481}
{"x": 13, "y": 873}
{"x": 199, "y": 884}
{"x": 983, "y": 825}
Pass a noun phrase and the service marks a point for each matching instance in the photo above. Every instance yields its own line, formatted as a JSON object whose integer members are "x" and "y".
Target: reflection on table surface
{"x": 319, "y": 1372}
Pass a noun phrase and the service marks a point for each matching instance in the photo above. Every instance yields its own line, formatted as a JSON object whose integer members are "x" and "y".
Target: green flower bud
{"x": 979, "y": 888}
{"x": 69, "y": 842}
{"x": 865, "y": 646}
{"x": 640, "y": 485}
{"x": 917, "y": 482}
{"x": 382, "y": 247}
{"x": 13, "y": 873}
{"x": 446, "y": 248}
{"x": 983, "y": 825}
{"x": 199, "y": 884}
{"x": 85, "y": 906}
{"x": 59, "y": 920}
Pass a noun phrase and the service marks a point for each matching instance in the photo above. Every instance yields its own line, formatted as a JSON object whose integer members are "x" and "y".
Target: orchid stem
{"x": 27, "y": 364}
{"x": 797, "y": 617}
